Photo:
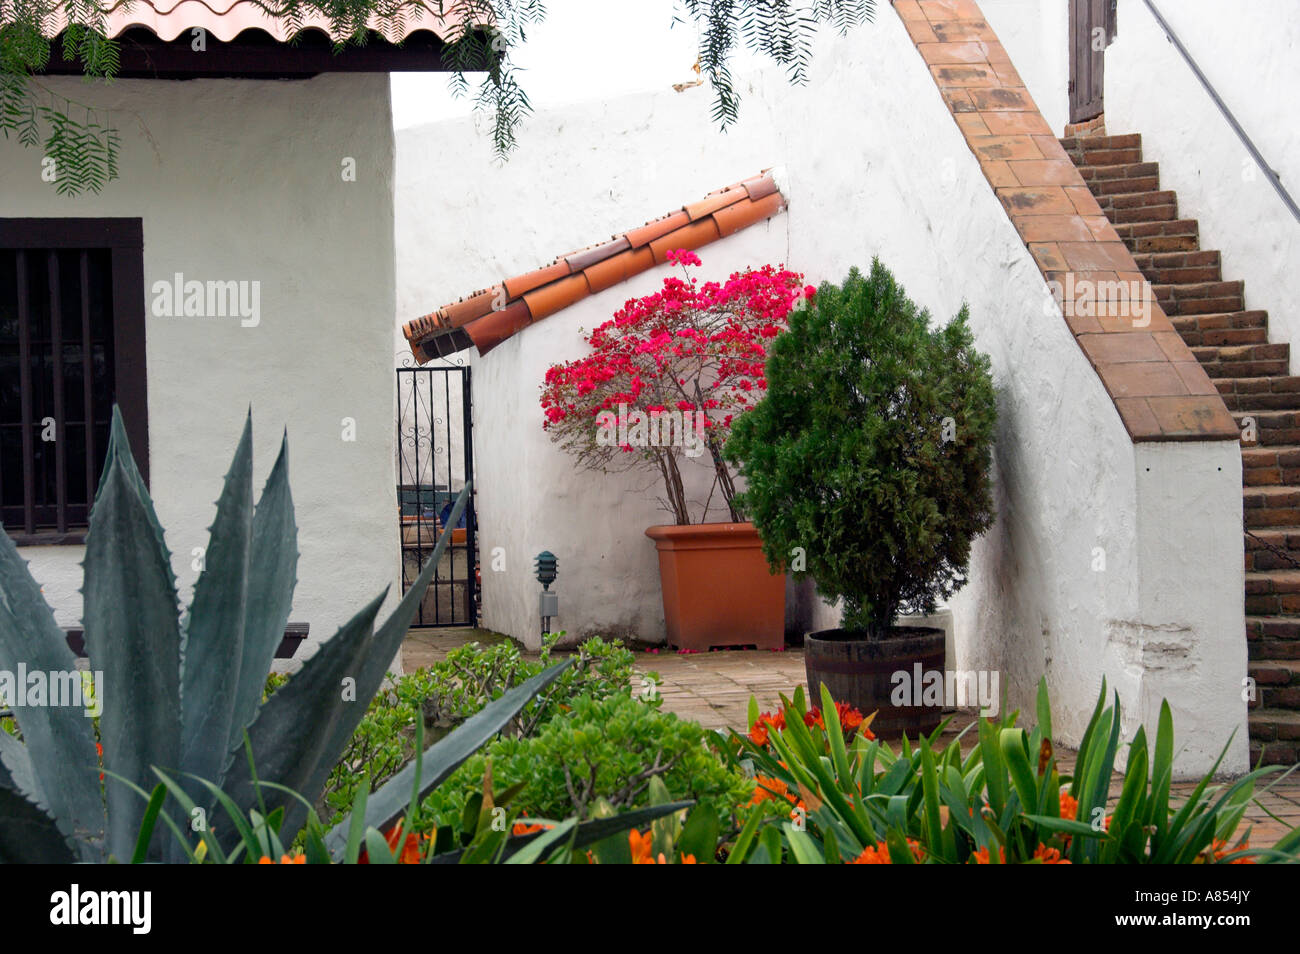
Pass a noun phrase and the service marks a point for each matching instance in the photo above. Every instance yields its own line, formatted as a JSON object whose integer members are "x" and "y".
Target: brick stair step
{"x": 1100, "y": 146}
{"x": 1273, "y": 753}
{"x": 1188, "y": 242}
{"x": 1137, "y": 200}
{"x": 1244, "y": 369}
{"x": 1274, "y": 672}
{"x": 1091, "y": 171}
{"x": 1219, "y": 321}
{"x": 1260, "y": 394}
{"x": 1272, "y": 428}
{"x": 1275, "y": 581}
{"x": 1147, "y": 260}
{"x": 1103, "y": 157}
{"x": 1143, "y": 213}
{"x": 1278, "y": 458}
{"x": 1272, "y": 637}
{"x": 1108, "y": 186}
{"x": 1229, "y": 354}
{"x": 1272, "y": 548}
{"x": 1269, "y": 724}
{"x": 1200, "y": 298}
{"x": 1218, "y": 337}
{"x": 1278, "y": 628}
{"x": 1145, "y": 229}
{"x": 1183, "y": 291}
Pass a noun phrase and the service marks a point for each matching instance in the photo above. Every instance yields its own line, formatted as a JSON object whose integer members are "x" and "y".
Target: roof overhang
{"x": 255, "y": 54}
{"x": 237, "y": 38}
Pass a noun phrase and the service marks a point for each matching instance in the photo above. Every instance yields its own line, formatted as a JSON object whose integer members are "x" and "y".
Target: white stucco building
{"x": 1118, "y": 550}
{"x": 261, "y": 176}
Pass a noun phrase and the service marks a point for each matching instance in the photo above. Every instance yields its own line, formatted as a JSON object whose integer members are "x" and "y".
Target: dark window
{"x": 71, "y": 344}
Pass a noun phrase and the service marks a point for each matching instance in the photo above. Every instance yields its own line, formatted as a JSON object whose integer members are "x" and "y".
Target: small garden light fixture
{"x": 548, "y": 603}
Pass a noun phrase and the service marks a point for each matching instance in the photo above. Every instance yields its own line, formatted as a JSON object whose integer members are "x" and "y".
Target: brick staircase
{"x": 1255, "y": 380}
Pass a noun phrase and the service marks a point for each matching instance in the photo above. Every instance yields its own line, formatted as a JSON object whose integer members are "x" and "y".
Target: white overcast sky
{"x": 585, "y": 49}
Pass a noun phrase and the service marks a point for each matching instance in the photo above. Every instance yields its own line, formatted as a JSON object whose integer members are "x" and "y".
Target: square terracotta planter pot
{"x": 718, "y": 590}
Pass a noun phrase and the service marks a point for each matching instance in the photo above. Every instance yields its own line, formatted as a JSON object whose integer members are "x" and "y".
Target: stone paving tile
{"x": 714, "y": 690}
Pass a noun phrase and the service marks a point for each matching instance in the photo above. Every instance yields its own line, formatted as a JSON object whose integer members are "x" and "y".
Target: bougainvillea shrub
{"x": 666, "y": 376}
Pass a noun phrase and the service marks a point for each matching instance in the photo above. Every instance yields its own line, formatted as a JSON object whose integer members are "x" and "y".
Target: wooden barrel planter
{"x": 860, "y": 671}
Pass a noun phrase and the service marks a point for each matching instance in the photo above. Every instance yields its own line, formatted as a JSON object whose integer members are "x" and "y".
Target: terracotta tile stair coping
{"x": 1160, "y": 390}
{"x": 485, "y": 318}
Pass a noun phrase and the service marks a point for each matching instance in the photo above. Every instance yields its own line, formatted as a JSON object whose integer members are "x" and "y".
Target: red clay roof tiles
{"x": 226, "y": 19}
{"x": 486, "y": 318}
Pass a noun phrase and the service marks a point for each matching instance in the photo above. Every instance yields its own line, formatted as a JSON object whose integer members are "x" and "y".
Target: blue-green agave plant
{"x": 183, "y": 693}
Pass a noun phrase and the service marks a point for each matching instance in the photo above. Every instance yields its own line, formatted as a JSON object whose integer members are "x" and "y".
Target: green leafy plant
{"x": 437, "y": 699}
{"x": 870, "y": 450}
{"x": 1004, "y": 802}
{"x": 181, "y": 693}
{"x": 378, "y": 830}
{"x": 602, "y": 752}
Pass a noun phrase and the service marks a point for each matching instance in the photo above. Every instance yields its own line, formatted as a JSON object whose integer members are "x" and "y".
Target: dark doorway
{"x": 435, "y": 458}
{"x": 1092, "y": 27}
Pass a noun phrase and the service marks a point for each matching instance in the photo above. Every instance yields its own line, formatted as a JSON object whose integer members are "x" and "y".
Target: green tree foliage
{"x": 871, "y": 450}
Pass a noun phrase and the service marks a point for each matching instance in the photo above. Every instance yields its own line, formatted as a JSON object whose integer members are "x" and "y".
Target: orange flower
{"x": 284, "y": 860}
{"x": 758, "y": 731}
{"x": 1069, "y": 806}
{"x": 1049, "y": 856}
{"x": 523, "y": 828}
{"x": 99, "y": 750}
{"x": 1220, "y": 848}
{"x": 687, "y": 860}
{"x": 410, "y": 852}
{"x": 768, "y": 788}
{"x": 640, "y": 845}
{"x": 813, "y": 717}
{"x": 879, "y": 854}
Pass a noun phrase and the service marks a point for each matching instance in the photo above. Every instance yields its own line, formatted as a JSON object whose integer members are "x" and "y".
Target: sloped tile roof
{"x": 487, "y": 317}
{"x": 226, "y": 19}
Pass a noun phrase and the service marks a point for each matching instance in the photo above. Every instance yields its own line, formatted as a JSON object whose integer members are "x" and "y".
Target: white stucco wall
{"x": 1036, "y": 34}
{"x": 874, "y": 165}
{"x": 1250, "y": 53}
{"x": 242, "y": 180}
{"x": 1251, "y": 56}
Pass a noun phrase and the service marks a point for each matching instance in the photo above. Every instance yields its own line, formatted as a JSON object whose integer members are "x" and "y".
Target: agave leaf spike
{"x": 212, "y": 633}
{"x": 133, "y": 637}
{"x": 58, "y": 748}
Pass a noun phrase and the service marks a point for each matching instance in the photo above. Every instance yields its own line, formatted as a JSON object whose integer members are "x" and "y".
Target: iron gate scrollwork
{"x": 435, "y": 457}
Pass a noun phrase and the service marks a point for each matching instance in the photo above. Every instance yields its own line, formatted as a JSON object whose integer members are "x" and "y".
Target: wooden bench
{"x": 294, "y": 634}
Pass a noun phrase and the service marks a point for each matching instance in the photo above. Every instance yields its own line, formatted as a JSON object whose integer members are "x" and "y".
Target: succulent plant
{"x": 183, "y": 693}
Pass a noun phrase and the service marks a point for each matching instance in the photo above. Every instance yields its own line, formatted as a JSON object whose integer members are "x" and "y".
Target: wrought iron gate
{"x": 435, "y": 457}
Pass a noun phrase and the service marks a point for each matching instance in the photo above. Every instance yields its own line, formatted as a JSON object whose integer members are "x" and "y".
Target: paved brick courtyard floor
{"x": 713, "y": 689}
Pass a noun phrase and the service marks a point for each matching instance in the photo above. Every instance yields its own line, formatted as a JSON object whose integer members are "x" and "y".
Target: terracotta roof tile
{"x": 557, "y": 296}
{"x": 744, "y": 214}
{"x": 688, "y": 236}
{"x": 657, "y": 227}
{"x": 226, "y": 19}
{"x": 535, "y": 279}
{"x": 495, "y": 327}
{"x": 620, "y": 268}
{"x": 760, "y": 187}
{"x": 715, "y": 201}
{"x": 587, "y": 257}
{"x": 474, "y": 306}
{"x": 479, "y": 320}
